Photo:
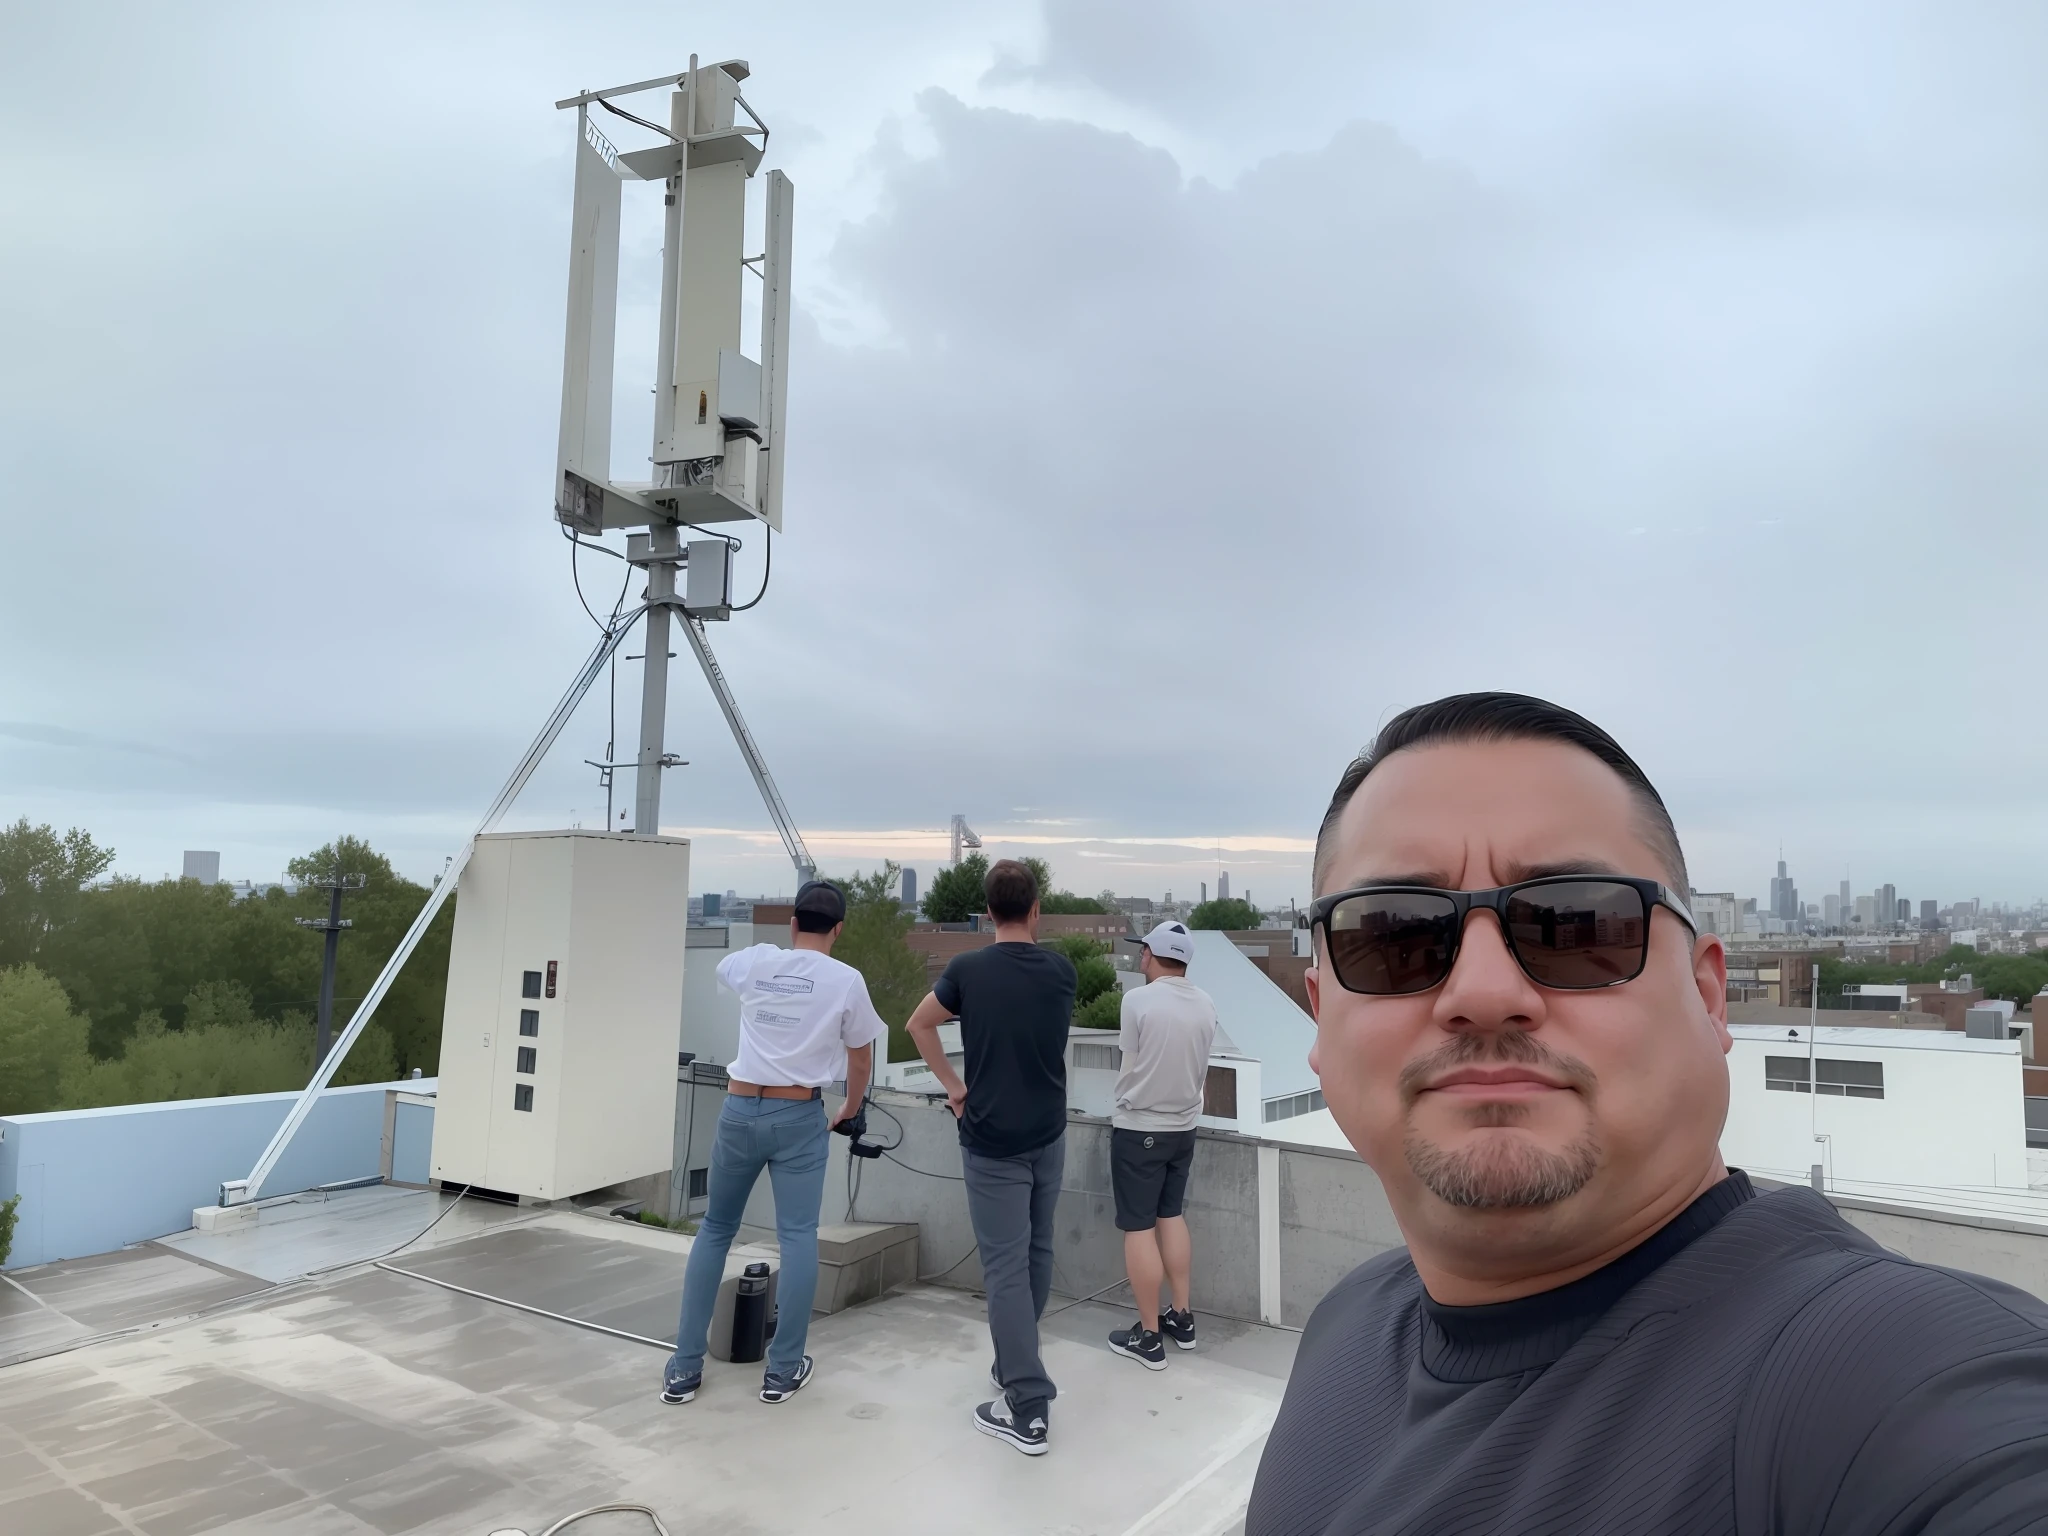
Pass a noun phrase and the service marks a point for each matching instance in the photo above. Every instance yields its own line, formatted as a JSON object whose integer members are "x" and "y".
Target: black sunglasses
{"x": 1570, "y": 932}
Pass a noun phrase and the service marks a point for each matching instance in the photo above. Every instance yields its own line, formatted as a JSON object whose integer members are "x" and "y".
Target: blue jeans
{"x": 788, "y": 1137}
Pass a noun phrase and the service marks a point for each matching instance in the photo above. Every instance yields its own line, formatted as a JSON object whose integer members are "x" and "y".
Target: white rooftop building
{"x": 1910, "y": 1107}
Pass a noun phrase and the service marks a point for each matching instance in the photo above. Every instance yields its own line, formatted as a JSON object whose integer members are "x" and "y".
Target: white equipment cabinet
{"x": 565, "y": 983}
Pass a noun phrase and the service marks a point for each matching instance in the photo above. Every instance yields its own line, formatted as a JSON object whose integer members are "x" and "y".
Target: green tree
{"x": 42, "y": 1042}
{"x": 223, "y": 1049}
{"x": 1233, "y": 915}
{"x": 873, "y": 944}
{"x": 956, "y": 895}
{"x": 1091, "y": 965}
{"x": 382, "y": 911}
{"x": 42, "y": 881}
{"x": 7, "y": 1209}
{"x": 1105, "y": 1011}
{"x": 137, "y": 947}
{"x": 1063, "y": 903}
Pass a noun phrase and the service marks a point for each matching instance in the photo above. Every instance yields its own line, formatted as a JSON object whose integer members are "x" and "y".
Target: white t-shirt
{"x": 800, "y": 1013}
{"x": 1169, "y": 1028}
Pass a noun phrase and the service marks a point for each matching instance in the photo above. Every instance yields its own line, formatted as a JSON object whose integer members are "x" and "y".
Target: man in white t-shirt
{"x": 805, "y": 1021}
{"x": 1169, "y": 1027}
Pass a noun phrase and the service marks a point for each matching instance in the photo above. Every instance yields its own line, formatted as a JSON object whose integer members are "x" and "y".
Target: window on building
{"x": 1293, "y": 1105}
{"x": 1787, "y": 1074}
{"x": 522, "y": 1097}
{"x": 1219, "y": 1093}
{"x": 526, "y": 1058}
{"x": 529, "y": 1021}
{"x": 529, "y": 984}
{"x": 700, "y": 1183}
{"x": 1849, "y": 1079}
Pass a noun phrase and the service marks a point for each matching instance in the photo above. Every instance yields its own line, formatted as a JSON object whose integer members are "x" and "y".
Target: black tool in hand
{"x": 855, "y": 1128}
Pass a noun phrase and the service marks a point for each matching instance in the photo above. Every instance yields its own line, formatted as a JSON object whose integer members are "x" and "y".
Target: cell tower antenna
{"x": 718, "y": 414}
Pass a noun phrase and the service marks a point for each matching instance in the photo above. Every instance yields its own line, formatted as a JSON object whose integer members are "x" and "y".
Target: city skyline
{"x": 751, "y": 860}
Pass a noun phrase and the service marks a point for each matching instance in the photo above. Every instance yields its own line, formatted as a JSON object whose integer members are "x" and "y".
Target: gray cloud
{"x": 1165, "y": 414}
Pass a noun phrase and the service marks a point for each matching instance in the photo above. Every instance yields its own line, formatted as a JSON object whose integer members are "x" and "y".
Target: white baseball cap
{"x": 1170, "y": 941}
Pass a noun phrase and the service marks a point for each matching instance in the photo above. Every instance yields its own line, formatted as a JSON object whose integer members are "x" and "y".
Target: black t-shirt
{"x": 1014, "y": 1003}
{"x": 1758, "y": 1366}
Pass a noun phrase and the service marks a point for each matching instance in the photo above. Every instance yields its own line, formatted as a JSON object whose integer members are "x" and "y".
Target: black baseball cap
{"x": 822, "y": 898}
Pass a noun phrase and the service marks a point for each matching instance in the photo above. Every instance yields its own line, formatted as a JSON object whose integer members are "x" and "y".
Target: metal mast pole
{"x": 330, "y": 947}
{"x": 665, "y": 549}
{"x": 330, "y": 927}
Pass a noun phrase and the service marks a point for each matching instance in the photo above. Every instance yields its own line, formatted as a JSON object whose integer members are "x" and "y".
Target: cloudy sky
{"x": 1171, "y": 402}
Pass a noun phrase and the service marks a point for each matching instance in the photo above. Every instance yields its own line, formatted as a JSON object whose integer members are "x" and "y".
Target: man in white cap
{"x": 1169, "y": 1026}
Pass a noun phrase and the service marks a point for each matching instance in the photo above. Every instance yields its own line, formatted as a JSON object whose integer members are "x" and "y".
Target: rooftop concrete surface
{"x": 363, "y": 1401}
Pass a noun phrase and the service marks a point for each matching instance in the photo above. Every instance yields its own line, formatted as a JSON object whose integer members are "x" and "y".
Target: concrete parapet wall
{"x": 2013, "y": 1251}
{"x": 1331, "y": 1212}
{"x": 1334, "y": 1216}
{"x": 93, "y": 1180}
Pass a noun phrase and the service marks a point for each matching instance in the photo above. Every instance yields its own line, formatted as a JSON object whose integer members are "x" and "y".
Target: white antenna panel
{"x": 718, "y": 428}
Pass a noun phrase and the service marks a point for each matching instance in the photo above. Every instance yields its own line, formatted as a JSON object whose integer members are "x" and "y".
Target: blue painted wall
{"x": 93, "y": 1180}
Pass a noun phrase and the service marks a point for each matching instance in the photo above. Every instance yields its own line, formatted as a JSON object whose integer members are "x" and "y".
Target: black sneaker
{"x": 1178, "y": 1326}
{"x": 995, "y": 1419}
{"x": 1140, "y": 1344}
{"x": 780, "y": 1389}
{"x": 680, "y": 1389}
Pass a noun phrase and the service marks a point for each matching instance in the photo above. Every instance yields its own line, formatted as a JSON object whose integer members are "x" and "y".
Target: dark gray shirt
{"x": 1014, "y": 1002}
{"x": 1757, "y": 1366}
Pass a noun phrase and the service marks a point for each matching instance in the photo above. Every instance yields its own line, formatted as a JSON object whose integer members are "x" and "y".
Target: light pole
{"x": 331, "y": 927}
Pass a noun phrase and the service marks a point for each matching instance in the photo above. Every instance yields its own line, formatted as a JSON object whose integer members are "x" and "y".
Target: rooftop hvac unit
{"x": 565, "y": 989}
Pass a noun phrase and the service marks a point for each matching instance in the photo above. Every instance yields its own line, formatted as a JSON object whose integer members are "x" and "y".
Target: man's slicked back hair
{"x": 1483, "y": 717}
{"x": 1011, "y": 889}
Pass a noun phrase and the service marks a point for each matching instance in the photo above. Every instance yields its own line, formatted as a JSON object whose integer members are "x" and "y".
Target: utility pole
{"x": 331, "y": 926}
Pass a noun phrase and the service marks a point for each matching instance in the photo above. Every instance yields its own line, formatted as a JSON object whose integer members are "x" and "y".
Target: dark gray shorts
{"x": 1148, "y": 1174}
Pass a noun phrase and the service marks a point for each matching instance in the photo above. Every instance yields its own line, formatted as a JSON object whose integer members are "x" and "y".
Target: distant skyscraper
{"x": 1223, "y": 886}
{"x": 1831, "y": 911}
{"x": 711, "y": 906}
{"x": 1846, "y": 904}
{"x": 202, "y": 865}
{"x": 1205, "y": 890}
{"x": 1784, "y": 896}
{"x": 1886, "y": 899}
{"x": 1930, "y": 914}
{"x": 909, "y": 887}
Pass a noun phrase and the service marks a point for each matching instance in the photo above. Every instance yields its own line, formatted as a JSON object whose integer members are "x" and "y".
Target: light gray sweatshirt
{"x": 1169, "y": 1028}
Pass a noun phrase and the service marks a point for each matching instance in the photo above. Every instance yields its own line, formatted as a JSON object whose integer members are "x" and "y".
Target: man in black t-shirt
{"x": 1596, "y": 1326}
{"x": 1015, "y": 1002}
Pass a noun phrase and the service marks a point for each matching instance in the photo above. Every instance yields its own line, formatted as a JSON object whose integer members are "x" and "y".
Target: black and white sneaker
{"x": 680, "y": 1389}
{"x": 1178, "y": 1326}
{"x": 996, "y": 1419}
{"x": 780, "y": 1389}
{"x": 1141, "y": 1344}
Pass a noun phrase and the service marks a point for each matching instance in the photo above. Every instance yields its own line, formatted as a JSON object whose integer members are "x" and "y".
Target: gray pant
{"x": 1012, "y": 1201}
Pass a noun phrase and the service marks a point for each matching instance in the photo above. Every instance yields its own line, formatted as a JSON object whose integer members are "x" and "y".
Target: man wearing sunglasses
{"x": 1596, "y": 1326}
